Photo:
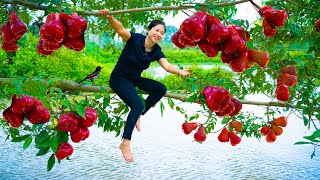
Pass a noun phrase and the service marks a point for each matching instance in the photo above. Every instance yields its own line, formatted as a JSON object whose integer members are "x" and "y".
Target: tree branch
{"x": 71, "y": 85}
{"x": 304, "y": 7}
{"x": 96, "y": 13}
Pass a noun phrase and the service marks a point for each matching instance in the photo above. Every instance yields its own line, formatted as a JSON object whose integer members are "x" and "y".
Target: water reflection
{"x": 158, "y": 72}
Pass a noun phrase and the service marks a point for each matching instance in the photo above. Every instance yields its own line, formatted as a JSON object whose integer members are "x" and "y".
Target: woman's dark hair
{"x": 156, "y": 22}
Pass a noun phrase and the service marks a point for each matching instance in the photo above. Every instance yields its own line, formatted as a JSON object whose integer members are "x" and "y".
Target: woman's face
{"x": 156, "y": 33}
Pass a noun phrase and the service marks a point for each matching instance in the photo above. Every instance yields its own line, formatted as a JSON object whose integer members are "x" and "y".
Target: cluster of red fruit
{"x": 287, "y": 78}
{"x": 28, "y": 107}
{"x": 212, "y": 36}
{"x": 220, "y": 101}
{"x": 199, "y": 136}
{"x": 318, "y": 25}
{"x": 12, "y": 31}
{"x": 271, "y": 132}
{"x": 78, "y": 128}
{"x": 272, "y": 19}
{"x": 226, "y": 135}
{"x": 260, "y": 57}
{"x": 62, "y": 29}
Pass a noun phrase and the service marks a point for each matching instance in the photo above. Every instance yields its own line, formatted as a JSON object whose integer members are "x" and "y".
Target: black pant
{"x": 125, "y": 89}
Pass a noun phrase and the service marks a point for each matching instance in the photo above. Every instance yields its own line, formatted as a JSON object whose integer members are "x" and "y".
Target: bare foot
{"x": 138, "y": 125}
{"x": 126, "y": 151}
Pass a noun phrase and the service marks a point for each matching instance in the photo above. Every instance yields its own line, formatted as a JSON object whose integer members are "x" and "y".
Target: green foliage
{"x": 103, "y": 55}
{"x": 223, "y": 13}
{"x": 95, "y": 27}
{"x": 200, "y": 78}
{"x": 313, "y": 139}
{"x": 47, "y": 137}
{"x": 297, "y": 43}
{"x": 110, "y": 53}
{"x": 51, "y": 162}
{"x": 63, "y": 64}
{"x": 187, "y": 55}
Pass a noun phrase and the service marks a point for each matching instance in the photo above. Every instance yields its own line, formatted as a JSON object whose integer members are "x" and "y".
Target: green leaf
{"x": 46, "y": 143}
{"x": 81, "y": 111}
{"x": 118, "y": 133}
{"x": 51, "y": 9}
{"x": 51, "y": 162}
{"x": 41, "y": 137}
{"x": 192, "y": 98}
{"x": 311, "y": 138}
{"x": 107, "y": 125}
{"x": 225, "y": 120}
{"x": 122, "y": 109}
{"x": 179, "y": 109}
{"x": 65, "y": 103}
{"x": 192, "y": 118}
{"x": 161, "y": 108}
{"x": 50, "y": 82}
{"x": 171, "y": 103}
{"x": 305, "y": 120}
{"x": 302, "y": 142}
{"x": 56, "y": 2}
{"x": 97, "y": 96}
{"x": 197, "y": 7}
{"x": 27, "y": 142}
{"x": 40, "y": 1}
{"x": 43, "y": 151}
{"x": 106, "y": 101}
{"x": 14, "y": 133}
{"x": 21, "y": 138}
{"x": 194, "y": 87}
{"x": 63, "y": 137}
{"x": 24, "y": 17}
{"x": 40, "y": 126}
{"x": 102, "y": 119}
{"x": 54, "y": 143}
{"x": 34, "y": 88}
{"x": 34, "y": 126}
{"x": 67, "y": 10}
{"x": 55, "y": 90}
{"x": 316, "y": 134}
{"x": 311, "y": 49}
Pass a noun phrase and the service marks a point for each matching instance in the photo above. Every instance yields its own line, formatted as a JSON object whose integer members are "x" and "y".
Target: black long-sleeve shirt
{"x": 134, "y": 58}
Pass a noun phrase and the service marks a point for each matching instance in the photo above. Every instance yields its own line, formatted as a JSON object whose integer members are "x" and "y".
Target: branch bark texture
{"x": 71, "y": 85}
{"x": 32, "y": 5}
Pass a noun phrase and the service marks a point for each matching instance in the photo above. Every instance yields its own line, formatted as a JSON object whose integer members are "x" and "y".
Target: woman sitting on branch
{"x": 138, "y": 53}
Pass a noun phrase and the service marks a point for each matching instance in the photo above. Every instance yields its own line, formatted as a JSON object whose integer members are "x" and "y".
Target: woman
{"x": 136, "y": 56}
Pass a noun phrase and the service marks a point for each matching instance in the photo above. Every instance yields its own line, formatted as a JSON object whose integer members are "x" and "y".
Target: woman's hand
{"x": 173, "y": 69}
{"x": 105, "y": 13}
{"x": 185, "y": 73}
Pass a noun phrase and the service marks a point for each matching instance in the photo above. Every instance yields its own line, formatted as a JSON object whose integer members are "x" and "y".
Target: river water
{"x": 163, "y": 151}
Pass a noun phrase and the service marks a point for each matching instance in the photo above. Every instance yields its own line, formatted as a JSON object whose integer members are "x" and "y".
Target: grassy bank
{"x": 71, "y": 65}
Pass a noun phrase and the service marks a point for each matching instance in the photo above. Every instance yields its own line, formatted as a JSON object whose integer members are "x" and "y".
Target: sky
{"x": 245, "y": 11}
